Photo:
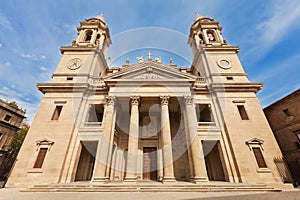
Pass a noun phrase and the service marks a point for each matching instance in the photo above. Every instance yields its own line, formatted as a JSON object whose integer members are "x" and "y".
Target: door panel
{"x": 150, "y": 163}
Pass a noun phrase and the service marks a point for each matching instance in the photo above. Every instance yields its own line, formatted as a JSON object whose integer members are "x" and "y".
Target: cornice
{"x": 224, "y": 48}
{"x": 237, "y": 87}
{"x": 8, "y": 125}
{"x": 78, "y": 48}
{"x": 70, "y": 87}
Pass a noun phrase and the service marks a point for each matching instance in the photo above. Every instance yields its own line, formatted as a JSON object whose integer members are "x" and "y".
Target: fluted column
{"x": 196, "y": 150}
{"x": 167, "y": 141}
{"x": 102, "y": 155}
{"x": 132, "y": 158}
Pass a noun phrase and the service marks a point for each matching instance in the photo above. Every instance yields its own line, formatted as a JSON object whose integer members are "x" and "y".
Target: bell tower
{"x": 93, "y": 32}
{"x": 237, "y": 107}
{"x": 214, "y": 58}
{"x": 86, "y": 56}
{"x": 206, "y": 33}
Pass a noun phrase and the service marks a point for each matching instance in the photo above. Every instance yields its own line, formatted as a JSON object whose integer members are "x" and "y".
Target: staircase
{"x": 151, "y": 187}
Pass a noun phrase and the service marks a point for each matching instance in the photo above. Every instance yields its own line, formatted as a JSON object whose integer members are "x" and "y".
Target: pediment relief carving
{"x": 150, "y": 73}
{"x": 149, "y": 76}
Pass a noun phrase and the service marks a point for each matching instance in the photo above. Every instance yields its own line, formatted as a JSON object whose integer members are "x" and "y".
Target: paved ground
{"x": 14, "y": 194}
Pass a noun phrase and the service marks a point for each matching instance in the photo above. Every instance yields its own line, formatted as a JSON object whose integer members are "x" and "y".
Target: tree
{"x": 18, "y": 140}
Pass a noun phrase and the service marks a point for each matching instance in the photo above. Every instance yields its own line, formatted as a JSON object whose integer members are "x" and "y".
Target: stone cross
{"x": 149, "y": 55}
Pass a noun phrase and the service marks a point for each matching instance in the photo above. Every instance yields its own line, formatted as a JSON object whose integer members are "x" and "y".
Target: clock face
{"x": 224, "y": 63}
{"x": 74, "y": 63}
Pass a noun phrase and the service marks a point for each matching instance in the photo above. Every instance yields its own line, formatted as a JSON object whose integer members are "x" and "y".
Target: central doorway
{"x": 149, "y": 163}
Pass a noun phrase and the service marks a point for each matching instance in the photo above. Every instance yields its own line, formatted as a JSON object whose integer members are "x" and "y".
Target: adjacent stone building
{"x": 284, "y": 118}
{"x": 11, "y": 117}
{"x": 149, "y": 120}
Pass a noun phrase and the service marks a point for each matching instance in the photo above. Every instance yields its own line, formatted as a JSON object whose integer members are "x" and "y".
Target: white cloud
{"x": 32, "y": 56}
{"x": 282, "y": 17}
{"x": 5, "y": 23}
{"x": 9, "y": 92}
{"x": 24, "y": 55}
{"x": 42, "y": 68}
{"x": 276, "y": 27}
{"x": 45, "y": 75}
{"x": 1, "y": 45}
{"x": 5, "y": 65}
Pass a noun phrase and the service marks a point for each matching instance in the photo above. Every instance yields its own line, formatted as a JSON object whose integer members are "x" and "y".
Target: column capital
{"x": 110, "y": 100}
{"x": 188, "y": 100}
{"x": 135, "y": 100}
{"x": 164, "y": 100}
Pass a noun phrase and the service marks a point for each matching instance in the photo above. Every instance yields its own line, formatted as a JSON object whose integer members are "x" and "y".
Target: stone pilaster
{"x": 132, "y": 158}
{"x": 196, "y": 150}
{"x": 102, "y": 155}
{"x": 167, "y": 141}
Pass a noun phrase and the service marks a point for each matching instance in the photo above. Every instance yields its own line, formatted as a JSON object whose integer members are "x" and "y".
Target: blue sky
{"x": 32, "y": 31}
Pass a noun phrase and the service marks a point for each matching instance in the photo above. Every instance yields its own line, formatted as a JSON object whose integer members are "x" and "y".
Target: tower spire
{"x": 101, "y": 17}
{"x": 197, "y": 16}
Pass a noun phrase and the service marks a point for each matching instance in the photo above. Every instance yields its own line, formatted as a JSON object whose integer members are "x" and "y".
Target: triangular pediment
{"x": 149, "y": 70}
{"x": 254, "y": 141}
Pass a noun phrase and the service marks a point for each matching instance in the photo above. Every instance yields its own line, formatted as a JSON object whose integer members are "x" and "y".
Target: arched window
{"x": 98, "y": 36}
{"x": 211, "y": 36}
{"x": 97, "y": 39}
{"x": 88, "y": 36}
{"x": 201, "y": 38}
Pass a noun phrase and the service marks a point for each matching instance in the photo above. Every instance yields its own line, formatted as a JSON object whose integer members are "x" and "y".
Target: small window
{"x": 201, "y": 39}
{"x": 96, "y": 113}
{"x": 287, "y": 113}
{"x": 7, "y": 118}
{"x": 97, "y": 39}
{"x": 229, "y": 78}
{"x": 243, "y": 112}
{"x": 69, "y": 78}
{"x": 259, "y": 157}
{"x": 203, "y": 113}
{"x": 57, "y": 112}
{"x": 297, "y": 132}
{"x": 88, "y": 36}
{"x": 211, "y": 36}
{"x": 40, "y": 158}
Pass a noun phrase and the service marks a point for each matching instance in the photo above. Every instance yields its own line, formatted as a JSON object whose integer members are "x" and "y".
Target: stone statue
{"x": 140, "y": 59}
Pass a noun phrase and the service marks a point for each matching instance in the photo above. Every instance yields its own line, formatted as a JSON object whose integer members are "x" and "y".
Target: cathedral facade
{"x": 149, "y": 120}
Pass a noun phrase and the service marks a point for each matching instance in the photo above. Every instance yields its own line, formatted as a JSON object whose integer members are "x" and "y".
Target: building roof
{"x": 295, "y": 93}
{"x": 13, "y": 107}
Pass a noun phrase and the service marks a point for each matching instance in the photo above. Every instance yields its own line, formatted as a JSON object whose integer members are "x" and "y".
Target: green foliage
{"x": 18, "y": 140}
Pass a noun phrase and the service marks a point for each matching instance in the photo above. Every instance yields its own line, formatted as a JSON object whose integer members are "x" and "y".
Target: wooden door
{"x": 149, "y": 163}
{"x": 86, "y": 161}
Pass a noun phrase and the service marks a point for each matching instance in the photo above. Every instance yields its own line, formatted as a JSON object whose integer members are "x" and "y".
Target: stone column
{"x": 102, "y": 155}
{"x": 167, "y": 141}
{"x": 132, "y": 158}
{"x": 199, "y": 167}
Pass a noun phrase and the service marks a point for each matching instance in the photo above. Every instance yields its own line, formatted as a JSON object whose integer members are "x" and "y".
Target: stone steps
{"x": 150, "y": 188}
